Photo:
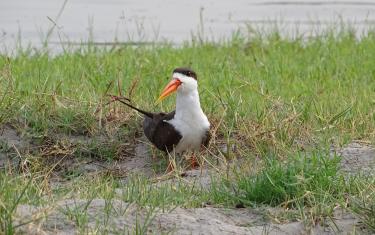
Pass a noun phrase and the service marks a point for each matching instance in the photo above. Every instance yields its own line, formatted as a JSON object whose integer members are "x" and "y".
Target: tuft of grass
{"x": 16, "y": 190}
{"x": 287, "y": 183}
{"x": 363, "y": 205}
{"x": 142, "y": 191}
{"x": 309, "y": 187}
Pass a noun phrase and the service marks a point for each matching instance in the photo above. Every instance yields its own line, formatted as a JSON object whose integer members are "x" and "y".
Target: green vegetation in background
{"x": 327, "y": 82}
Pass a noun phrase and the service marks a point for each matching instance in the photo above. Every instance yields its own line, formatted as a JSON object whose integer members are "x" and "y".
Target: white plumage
{"x": 189, "y": 118}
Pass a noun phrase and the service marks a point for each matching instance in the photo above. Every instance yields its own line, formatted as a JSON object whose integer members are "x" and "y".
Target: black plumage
{"x": 159, "y": 132}
{"x": 187, "y": 72}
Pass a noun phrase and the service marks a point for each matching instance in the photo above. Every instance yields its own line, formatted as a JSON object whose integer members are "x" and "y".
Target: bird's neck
{"x": 188, "y": 105}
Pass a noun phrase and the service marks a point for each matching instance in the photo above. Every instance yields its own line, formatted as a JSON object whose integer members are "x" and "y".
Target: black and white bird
{"x": 187, "y": 127}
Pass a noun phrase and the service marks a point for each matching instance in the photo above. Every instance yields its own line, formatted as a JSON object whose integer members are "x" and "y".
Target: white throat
{"x": 188, "y": 105}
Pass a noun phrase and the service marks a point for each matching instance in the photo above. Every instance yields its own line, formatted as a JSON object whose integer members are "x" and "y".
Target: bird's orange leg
{"x": 193, "y": 161}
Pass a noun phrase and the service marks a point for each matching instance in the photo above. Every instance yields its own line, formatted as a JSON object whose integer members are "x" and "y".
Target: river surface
{"x": 142, "y": 21}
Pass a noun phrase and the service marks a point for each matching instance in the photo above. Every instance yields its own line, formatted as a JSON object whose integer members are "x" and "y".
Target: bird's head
{"x": 184, "y": 80}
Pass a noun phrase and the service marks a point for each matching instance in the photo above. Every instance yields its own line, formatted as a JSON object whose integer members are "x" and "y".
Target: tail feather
{"x": 148, "y": 114}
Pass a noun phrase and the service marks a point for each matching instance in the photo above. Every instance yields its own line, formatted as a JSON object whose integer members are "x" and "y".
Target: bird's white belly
{"x": 192, "y": 134}
{"x": 190, "y": 141}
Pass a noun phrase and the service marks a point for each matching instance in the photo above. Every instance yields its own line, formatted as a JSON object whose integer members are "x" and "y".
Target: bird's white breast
{"x": 193, "y": 131}
{"x": 190, "y": 121}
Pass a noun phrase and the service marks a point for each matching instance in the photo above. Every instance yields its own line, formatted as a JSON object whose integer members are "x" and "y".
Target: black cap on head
{"x": 186, "y": 71}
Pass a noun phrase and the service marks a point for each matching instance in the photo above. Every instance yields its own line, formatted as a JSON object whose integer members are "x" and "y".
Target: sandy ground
{"x": 123, "y": 217}
{"x": 357, "y": 157}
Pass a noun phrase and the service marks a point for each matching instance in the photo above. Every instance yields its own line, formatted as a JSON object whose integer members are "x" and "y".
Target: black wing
{"x": 162, "y": 134}
{"x": 206, "y": 138}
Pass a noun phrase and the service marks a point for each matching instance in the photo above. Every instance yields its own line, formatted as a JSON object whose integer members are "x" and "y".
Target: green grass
{"x": 16, "y": 190}
{"x": 324, "y": 84}
{"x": 278, "y": 103}
{"x": 285, "y": 182}
{"x": 308, "y": 187}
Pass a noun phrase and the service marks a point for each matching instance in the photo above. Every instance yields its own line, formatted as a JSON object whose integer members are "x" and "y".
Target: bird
{"x": 186, "y": 128}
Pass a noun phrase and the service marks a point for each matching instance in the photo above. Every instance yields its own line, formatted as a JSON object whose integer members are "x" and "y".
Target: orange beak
{"x": 169, "y": 89}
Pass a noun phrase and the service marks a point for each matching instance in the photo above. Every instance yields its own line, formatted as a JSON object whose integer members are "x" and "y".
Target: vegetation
{"x": 278, "y": 105}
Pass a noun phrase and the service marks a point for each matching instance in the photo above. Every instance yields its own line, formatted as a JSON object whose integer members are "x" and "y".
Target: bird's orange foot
{"x": 194, "y": 162}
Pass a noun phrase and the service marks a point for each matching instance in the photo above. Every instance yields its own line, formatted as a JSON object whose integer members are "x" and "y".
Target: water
{"x": 105, "y": 21}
